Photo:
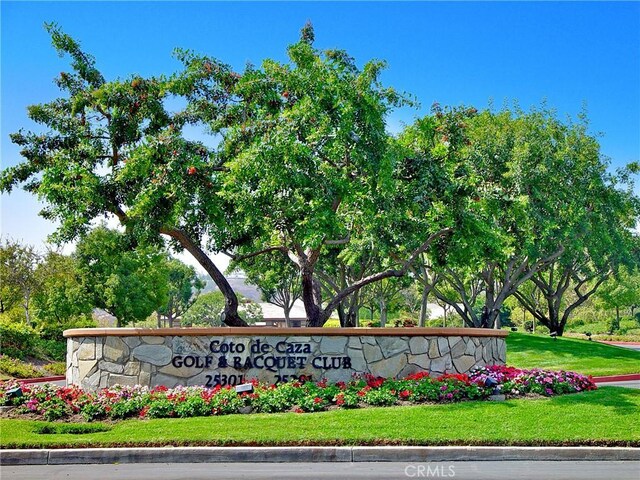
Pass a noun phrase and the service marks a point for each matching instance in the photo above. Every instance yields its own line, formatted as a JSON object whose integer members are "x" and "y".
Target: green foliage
{"x": 184, "y": 287}
{"x": 19, "y": 279}
{"x": 208, "y": 308}
{"x": 128, "y": 283}
{"x": 205, "y": 311}
{"x": 620, "y": 291}
{"x": 17, "y": 339}
{"x": 56, "y": 368}
{"x": 62, "y": 298}
{"x": 18, "y": 369}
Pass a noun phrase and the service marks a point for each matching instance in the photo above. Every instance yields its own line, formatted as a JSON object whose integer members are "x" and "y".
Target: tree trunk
{"x": 309, "y": 298}
{"x": 424, "y": 305}
{"x": 287, "y": 311}
{"x": 383, "y": 312}
{"x": 341, "y": 315}
{"x": 159, "y": 317}
{"x": 230, "y": 315}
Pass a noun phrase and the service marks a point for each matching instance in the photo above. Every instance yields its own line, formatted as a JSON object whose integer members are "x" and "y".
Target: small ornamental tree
{"x": 129, "y": 284}
{"x": 62, "y": 299}
{"x": 111, "y": 148}
{"x": 276, "y": 278}
{"x": 19, "y": 279}
{"x": 184, "y": 287}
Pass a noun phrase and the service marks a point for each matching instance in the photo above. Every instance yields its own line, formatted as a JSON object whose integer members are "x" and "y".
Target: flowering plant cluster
{"x": 52, "y": 403}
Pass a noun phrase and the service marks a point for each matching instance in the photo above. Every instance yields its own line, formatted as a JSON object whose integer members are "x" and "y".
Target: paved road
{"x": 310, "y": 471}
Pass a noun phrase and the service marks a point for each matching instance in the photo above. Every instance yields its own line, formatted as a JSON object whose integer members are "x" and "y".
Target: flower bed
{"x": 53, "y": 403}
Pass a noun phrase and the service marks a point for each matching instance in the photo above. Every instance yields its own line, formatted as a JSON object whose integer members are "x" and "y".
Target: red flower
{"x": 191, "y": 170}
{"x": 317, "y": 400}
{"x": 405, "y": 394}
{"x": 417, "y": 376}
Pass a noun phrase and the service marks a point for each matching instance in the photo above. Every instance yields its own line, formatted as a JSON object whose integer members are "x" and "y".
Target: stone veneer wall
{"x": 101, "y": 361}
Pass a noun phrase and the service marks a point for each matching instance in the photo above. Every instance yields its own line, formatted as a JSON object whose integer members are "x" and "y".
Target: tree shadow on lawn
{"x": 565, "y": 347}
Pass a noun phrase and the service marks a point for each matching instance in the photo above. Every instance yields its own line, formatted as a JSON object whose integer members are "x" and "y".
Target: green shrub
{"x": 56, "y": 368}
{"x": 193, "y": 407}
{"x": 54, "y": 330}
{"x": 17, "y": 369}
{"x": 17, "y": 340}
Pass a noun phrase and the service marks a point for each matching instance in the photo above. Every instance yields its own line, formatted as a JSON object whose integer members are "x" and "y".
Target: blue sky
{"x": 569, "y": 54}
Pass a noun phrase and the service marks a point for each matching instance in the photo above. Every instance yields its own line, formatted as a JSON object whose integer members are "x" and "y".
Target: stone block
{"x": 471, "y": 348}
{"x": 438, "y": 366}
{"x": 372, "y": 353}
{"x": 333, "y": 345}
{"x": 69, "y": 352}
{"x": 389, "y": 367}
{"x": 154, "y": 354}
{"x": 422, "y": 361}
{"x": 144, "y": 378}
{"x": 458, "y": 350}
{"x": 152, "y": 340}
{"x": 418, "y": 345}
{"x": 354, "y": 342}
{"x": 87, "y": 350}
{"x": 337, "y": 375}
{"x": 133, "y": 342}
{"x": 391, "y": 346}
{"x": 166, "y": 380}
{"x": 434, "y": 352}
{"x": 464, "y": 363}
{"x": 358, "y": 363}
{"x": 111, "y": 367}
{"x": 132, "y": 368}
{"x": 187, "y": 345}
{"x": 409, "y": 370}
{"x": 180, "y": 372}
{"x": 92, "y": 382}
{"x": 125, "y": 380}
{"x": 443, "y": 346}
{"x": 85, "y": 367}
{"x": 115, "y": 350}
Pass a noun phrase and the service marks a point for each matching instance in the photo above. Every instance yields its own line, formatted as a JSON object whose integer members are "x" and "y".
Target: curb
{"x": 42, "y": 379}
{"x": 617, "y": 378}
{"x": 312, "y": 454}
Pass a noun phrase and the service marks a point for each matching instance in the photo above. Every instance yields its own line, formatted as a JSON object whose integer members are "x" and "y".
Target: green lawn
{"x": 532, "y": 351}
{"x": 608, "y": 416}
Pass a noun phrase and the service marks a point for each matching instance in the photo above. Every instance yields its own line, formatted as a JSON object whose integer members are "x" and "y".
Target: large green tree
{"x": 112, "y": 148}
{"x": 308, "y": 161}
{"x": 535, "y": 194}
